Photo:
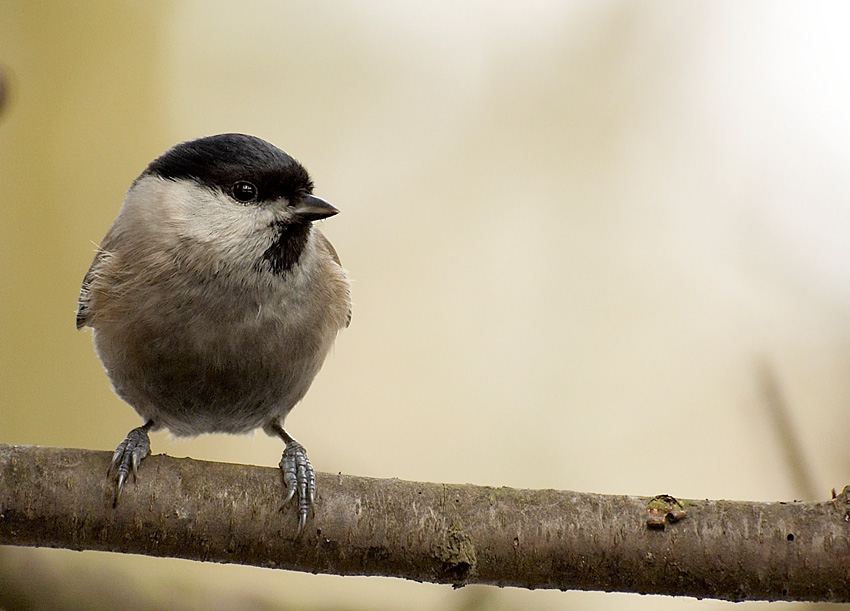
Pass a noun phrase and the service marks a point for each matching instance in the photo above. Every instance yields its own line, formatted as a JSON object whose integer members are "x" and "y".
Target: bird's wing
{"x": 83, "y": 311}
{"x": 325, "y": 243}
{"x": 101, "y": 259}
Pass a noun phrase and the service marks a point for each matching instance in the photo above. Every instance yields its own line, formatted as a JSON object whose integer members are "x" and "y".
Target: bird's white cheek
{"x": 212, "y": 220}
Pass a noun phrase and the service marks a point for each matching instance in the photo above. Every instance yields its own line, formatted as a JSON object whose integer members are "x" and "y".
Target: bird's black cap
{"x": 218, "y": 162}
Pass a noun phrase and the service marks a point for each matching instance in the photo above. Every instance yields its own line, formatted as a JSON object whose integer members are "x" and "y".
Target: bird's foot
{"x": 300, "y": 479}
{"x": 127, "y": 457}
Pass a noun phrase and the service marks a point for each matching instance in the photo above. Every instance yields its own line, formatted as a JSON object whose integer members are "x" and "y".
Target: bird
{"x": 214, "y": 299}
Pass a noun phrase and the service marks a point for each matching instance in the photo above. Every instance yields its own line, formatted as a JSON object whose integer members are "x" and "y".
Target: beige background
{"x": 577, "y": 231}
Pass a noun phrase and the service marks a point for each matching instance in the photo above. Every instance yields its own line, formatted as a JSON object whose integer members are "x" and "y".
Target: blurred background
{"x": 596, "y": 245}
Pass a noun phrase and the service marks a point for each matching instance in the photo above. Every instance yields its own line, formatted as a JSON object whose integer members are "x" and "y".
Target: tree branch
{"x": 442, "y": 533}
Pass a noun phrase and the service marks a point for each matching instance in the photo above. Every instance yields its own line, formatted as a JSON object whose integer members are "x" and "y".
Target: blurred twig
{"x": 458, "y": 534}
{"x": 789, "y": 441}
{"x": 4, "y": 89}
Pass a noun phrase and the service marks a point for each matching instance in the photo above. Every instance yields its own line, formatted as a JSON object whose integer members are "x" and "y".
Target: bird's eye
{"x": 244, "y": 191}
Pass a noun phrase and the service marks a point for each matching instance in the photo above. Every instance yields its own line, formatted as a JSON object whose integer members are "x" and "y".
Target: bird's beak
{"x": 312, "y": 208}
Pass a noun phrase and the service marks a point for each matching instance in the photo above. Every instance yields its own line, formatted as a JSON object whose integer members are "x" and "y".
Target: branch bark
{"x": 442, "y": 533}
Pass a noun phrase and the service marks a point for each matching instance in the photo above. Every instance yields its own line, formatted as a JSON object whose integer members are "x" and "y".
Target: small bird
{"x": 214, "y": 300}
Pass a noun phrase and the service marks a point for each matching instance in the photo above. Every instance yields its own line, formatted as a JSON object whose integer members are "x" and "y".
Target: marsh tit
{"x": 214, "y": 299}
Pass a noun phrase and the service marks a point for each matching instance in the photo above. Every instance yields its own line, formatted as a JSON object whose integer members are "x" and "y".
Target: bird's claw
{"x": 299, "y": 478}
{"x": 127, "y": 457}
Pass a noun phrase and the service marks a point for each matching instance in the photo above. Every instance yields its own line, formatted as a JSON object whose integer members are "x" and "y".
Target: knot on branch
{"x": 456, "y": 555}
{"x": 662, "y": 509}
